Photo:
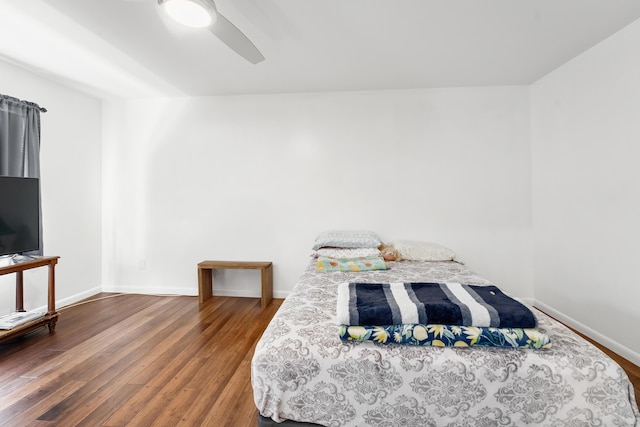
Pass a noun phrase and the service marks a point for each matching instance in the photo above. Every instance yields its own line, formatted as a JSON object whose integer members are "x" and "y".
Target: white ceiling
{"x": 128, "y": 48}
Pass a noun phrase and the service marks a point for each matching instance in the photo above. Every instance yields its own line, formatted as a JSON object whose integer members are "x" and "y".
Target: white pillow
{"x": 424, "y": 251}
{"x": 347, "y": 239}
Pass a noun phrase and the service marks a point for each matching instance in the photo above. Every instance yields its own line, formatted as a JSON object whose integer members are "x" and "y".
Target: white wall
{"x": 257, "y": 177}
{"x": 71, "y": 200}
{"x": 586, "y": 187}
{"x": 176, "y": 181}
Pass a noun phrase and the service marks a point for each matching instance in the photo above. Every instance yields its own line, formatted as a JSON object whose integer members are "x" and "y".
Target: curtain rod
{"x": 20, "y": 101}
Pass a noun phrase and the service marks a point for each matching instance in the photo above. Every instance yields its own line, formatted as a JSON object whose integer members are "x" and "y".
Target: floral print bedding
{"x": 447, "y": 336}
{"x": 303, "y": 371}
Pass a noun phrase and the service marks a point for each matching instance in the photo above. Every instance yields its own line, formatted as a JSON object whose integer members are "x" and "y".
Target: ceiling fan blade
{"x": 230, "y": 35}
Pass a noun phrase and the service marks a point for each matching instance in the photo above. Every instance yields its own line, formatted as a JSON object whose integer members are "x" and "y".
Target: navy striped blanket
{"x": 430, "y": 303}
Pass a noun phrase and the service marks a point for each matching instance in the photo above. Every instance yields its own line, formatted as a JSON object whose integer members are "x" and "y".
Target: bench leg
{"x": 267, "y": 286}
{"x": 205, "y": 284}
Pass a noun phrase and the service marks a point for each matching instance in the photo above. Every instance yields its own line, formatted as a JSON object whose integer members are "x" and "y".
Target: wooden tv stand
{"x": 51, "y": 317}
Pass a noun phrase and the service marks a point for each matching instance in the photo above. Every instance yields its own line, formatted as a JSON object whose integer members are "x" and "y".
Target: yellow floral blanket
{"x": 448, "y": 336}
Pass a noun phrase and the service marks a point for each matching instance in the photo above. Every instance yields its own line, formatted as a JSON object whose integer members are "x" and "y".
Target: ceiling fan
{"x": 204, "y": 14}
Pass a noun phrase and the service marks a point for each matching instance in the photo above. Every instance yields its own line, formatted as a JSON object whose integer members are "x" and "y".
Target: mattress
{"x": 303, "y": 371}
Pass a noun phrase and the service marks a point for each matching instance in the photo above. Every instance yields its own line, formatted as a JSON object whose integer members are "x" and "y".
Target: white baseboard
{"x": 614, "y": 346}
{"x": 72, "y": 299}
{"x": 246, "y": 293}
{"x": 151, "y": 291}
{"x": 188, "y": 291}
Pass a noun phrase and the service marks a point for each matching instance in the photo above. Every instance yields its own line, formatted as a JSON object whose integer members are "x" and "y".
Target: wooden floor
{"x": 136, "y": 360}
{"x": 141, "y": 360}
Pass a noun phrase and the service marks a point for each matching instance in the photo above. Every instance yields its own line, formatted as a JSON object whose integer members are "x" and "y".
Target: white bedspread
{"x": 302, "y": 371}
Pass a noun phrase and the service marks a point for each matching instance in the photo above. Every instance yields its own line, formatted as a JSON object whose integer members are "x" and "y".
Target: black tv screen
{"x": 19, "y": 215}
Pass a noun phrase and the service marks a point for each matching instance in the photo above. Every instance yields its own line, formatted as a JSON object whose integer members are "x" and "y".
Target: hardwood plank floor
{"x": 136, "y": 360}
{"x": 141, "y": 360}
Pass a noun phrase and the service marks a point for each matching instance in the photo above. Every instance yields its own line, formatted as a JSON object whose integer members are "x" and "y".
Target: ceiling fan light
{"x": 188, "y": 12}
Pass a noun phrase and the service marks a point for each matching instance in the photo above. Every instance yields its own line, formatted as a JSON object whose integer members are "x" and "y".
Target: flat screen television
{"x": 19, "y": 215}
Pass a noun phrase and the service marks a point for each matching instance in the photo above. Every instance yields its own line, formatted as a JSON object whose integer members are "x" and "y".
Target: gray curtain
{"x": 20, "y": 141}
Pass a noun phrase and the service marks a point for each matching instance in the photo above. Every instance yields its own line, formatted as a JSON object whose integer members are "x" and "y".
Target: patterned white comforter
{"x": 302, "y": 371}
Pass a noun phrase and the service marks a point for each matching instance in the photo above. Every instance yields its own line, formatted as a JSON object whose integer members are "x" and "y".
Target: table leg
{"x": 19, "y": 291}
{"x": 52, "y": 290}
{"x": 52, "y": 324}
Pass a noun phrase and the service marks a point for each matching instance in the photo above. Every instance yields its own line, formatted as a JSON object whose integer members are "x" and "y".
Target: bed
{"x": 303, "y": 372}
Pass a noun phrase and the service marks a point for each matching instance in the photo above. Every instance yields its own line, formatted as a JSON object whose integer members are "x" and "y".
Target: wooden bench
{"x": 205, "y": 277}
